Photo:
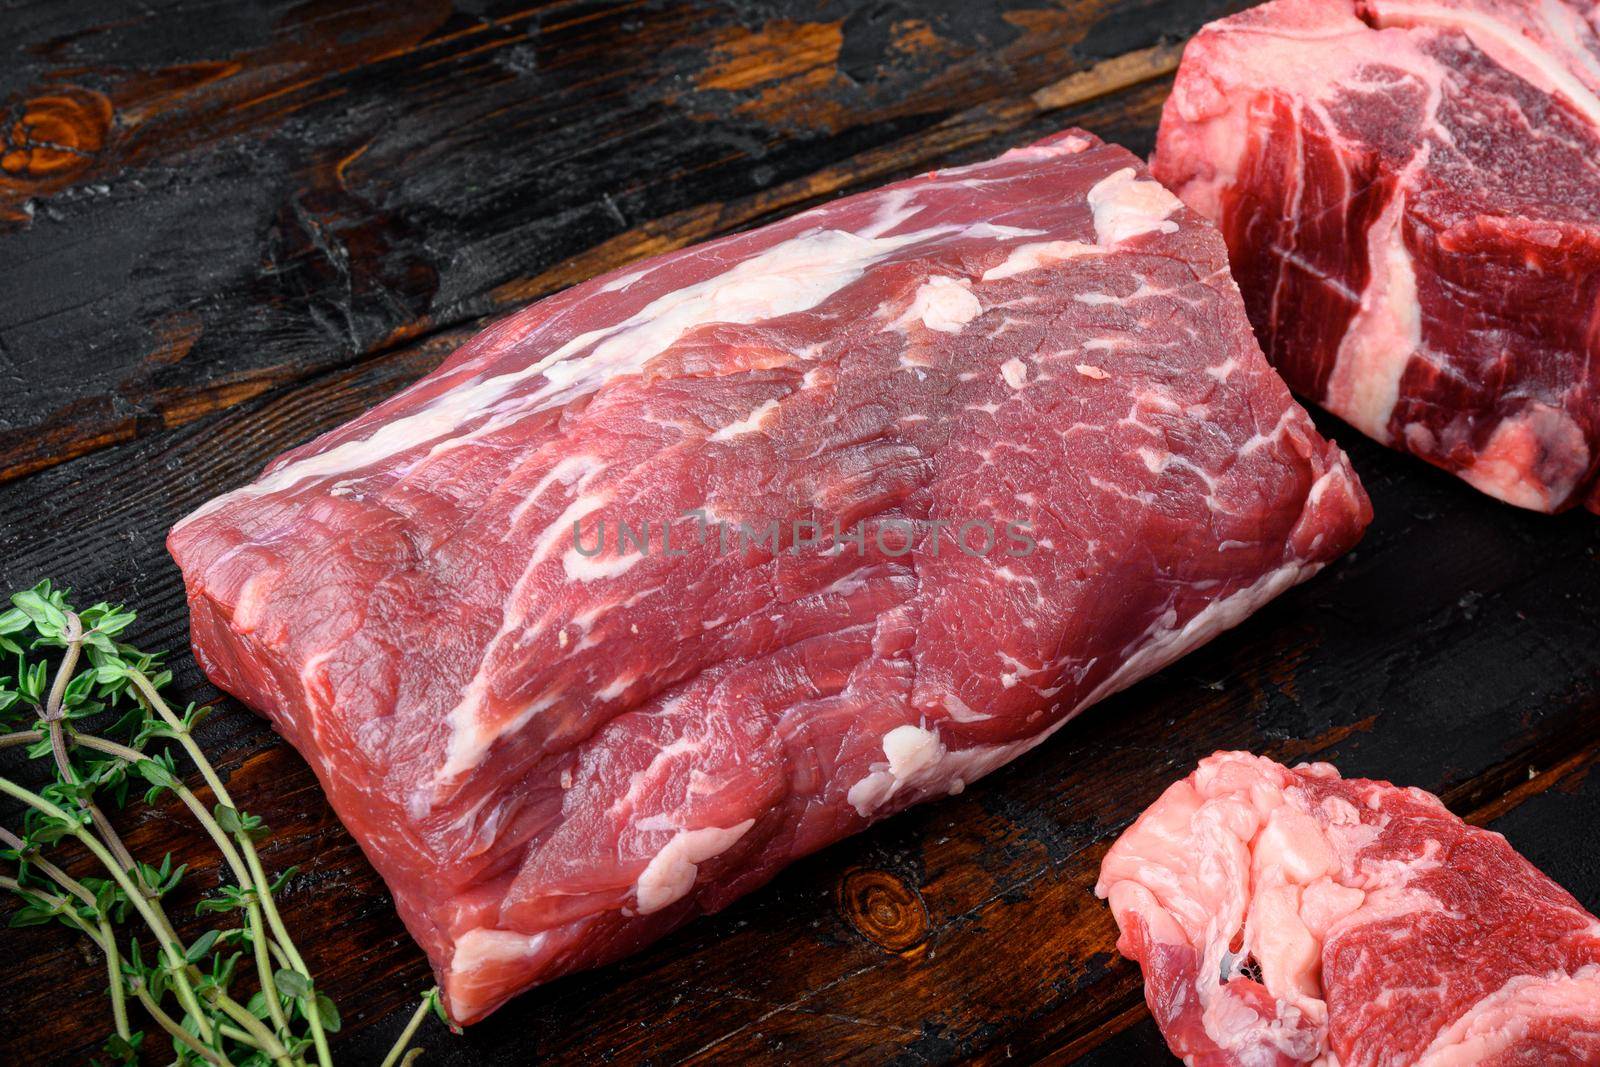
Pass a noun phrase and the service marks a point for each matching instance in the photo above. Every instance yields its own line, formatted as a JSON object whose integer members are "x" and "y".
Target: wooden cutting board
{"x": 227, "y": 227}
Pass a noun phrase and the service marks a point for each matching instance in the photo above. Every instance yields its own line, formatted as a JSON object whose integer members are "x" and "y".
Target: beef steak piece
{"x": 700, "y": 566}
{"x": 1285, "y": 915}
{"x": 1410, "y": 192}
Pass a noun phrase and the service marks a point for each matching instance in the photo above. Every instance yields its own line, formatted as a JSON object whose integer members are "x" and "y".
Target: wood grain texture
{"x": 225, "y": 228}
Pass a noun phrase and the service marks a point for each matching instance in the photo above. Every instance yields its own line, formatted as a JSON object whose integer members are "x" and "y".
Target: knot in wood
{"x": 56, "y": 134}
{"x": 883, "y": 909}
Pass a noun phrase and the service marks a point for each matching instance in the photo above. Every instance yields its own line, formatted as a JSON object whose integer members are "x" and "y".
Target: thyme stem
{"x": 46, "y": 706}
{"x": 178, "y": 1033}
{"x": 100, "y": 934}
{"x": 259, "y": 1035}
{"x": 119, "y": 1001}
{"x": 260, "y": 946}
{"x": 169, "y": 945}
{"x": 247, "y": 848}
{"x": 73, "y": 636}
{"x": 56, "y": 874}
{"x": 399, "y": 1047}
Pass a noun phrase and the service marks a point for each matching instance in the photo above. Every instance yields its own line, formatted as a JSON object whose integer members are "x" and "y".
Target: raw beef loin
{"x": 1410, "y": 192}
{"x": 1287, "y": 916}
{"x": 555, "y": 755}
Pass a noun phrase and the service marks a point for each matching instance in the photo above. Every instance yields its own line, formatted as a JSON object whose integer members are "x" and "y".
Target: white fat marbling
{"x": 669, "y": 876}
{"x": 1126, "y": 206}
{"x": 484, "y": 945}
{"x": 1038, "y": 255}
{"x": 1384, "y": 333}
{"x": 751, "y": 423}
{"x": 943, "y": 304}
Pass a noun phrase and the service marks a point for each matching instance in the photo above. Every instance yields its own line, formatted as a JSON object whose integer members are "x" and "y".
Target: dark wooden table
{"x": 227, "y": 226}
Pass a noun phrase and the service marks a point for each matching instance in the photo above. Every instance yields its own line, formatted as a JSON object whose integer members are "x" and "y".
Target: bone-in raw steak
{"x": 1285, "y": 915}
{"x": 554, "y": 755}
{"x": 1410, "y": 192}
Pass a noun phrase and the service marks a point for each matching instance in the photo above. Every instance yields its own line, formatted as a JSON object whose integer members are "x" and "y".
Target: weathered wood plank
{"x": 201, "y": 205}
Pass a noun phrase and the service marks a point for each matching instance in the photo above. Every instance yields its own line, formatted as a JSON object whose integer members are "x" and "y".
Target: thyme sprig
{"x": 72, "y": 672}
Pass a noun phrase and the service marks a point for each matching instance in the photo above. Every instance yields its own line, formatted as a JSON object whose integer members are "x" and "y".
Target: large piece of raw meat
{"x": 555, "y": 756}
{"x": 1410, "y": 192}
{"x": 1285, "y": 916}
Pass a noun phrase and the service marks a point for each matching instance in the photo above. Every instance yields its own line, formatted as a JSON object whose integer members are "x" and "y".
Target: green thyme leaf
{"x": 291, "y": 983}
{"x": 48, "y": 619}
{"x": 323, "y": 1005}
